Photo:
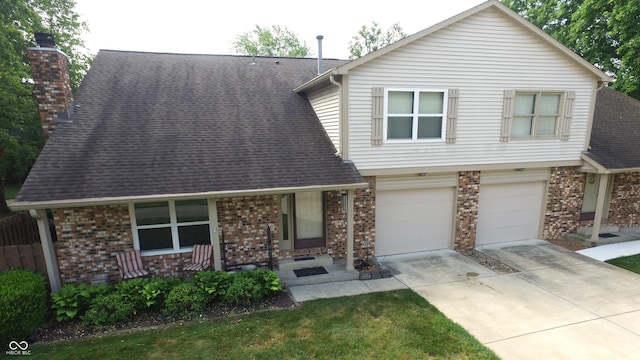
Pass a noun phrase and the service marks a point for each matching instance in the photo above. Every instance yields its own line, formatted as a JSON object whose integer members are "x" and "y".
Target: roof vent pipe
{"x": 320, "y": 68}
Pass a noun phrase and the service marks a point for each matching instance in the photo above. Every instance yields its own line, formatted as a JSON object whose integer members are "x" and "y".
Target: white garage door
{"x": 413, "y": 220}
{"x": 509, "y": 212}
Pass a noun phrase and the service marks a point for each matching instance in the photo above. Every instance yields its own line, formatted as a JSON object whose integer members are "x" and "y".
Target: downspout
{"x": 350, "y": 192}
{"x": 48, "y": 250}
{"x": 340, "y": 117}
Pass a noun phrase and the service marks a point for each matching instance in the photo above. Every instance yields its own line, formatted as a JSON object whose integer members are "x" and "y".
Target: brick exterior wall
{"x": 564, "y": 202}
{"x": 467, "y": 201}
{"x": 364, "y": 222}
{"x": 244, "y": 221}
{"x": 52, "y": 84}
{"x": 336, "y": 229}
{"x": 88, "y": 240}
{"x": 624, "y": 210}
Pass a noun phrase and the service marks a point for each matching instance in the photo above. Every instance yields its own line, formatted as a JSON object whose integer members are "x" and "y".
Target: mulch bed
{"x": 53, "y": 331}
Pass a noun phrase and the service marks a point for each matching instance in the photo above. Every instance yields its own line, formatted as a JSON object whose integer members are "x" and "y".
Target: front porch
{"x": 336, "y": 270}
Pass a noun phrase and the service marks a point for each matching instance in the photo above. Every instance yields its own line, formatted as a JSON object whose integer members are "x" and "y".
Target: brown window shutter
{"x": 452, "y": 115}
{"x": 565, "y": 122}
{"x": 377, "y": 113}
{"x": 507, "y": 115}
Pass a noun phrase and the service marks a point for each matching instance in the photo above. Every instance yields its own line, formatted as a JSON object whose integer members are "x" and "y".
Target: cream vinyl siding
{"x": 325, "y": 103}
{"x": 480, "y": 56}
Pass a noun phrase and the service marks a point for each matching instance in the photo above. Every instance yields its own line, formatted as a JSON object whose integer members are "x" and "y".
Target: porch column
{"x": 350, "y": 228}
{"x": 48, "y": 250}
{"x": 214, "y": 232}
{"x": 602, "y": 195}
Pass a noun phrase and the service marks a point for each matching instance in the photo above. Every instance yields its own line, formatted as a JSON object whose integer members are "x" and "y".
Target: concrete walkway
{"x": 561, "y": 305}
{"x": 612, "y": 251}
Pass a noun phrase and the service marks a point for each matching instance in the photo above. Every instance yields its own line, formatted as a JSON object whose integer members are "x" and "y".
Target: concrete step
{"x": 336, "y": 273}
{"x": 588, "y": 230}
{"x": 306, "y": 262}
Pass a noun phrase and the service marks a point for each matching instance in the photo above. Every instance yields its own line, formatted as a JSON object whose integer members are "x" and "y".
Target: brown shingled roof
{"x": 615, "y": 137}
{"x": 148, "y": 124}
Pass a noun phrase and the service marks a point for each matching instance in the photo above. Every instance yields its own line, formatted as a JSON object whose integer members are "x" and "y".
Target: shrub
{"x": 213, "y": 283}
{"x": 268, "y": 280}
{"x": 74, "y": 300}
{"x": 155, "y": 291}
{"x": 244, "y": 289}
{"x": 110, "y": 309}
{"x": 131, "y": 290}
{"x": 184, "y": 300}
{"x": 23, "y": 303}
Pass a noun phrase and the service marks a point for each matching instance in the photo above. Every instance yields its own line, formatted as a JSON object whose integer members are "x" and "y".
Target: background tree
{"x": 372, "y": 38}
{"x": 274, "y": 41}
{"x": 604, "y": 32}
{"x": 20, "y": 131}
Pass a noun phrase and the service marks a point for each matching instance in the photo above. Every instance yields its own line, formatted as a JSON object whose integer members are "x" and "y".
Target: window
{"x": 536, "y": 114}
{"x": 171, "y": 225}
{"x": 415, "y": 114}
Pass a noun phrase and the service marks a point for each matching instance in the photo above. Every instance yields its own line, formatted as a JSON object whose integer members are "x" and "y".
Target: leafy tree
{"x": 273, "y": 41}
{"x": 604, "y": 32}
{"x": 20, "y": 132}
{"x": 372, "y": 38}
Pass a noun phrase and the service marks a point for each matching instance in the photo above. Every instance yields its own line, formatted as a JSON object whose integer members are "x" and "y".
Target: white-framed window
{"x": 170, "y": 226}
{"x": 415, "y": 114}
{"x": 536, "y": 114}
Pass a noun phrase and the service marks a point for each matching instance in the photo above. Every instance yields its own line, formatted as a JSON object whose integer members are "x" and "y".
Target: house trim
{"x": 467, "y": 167}
{"x": 28, "y": 205}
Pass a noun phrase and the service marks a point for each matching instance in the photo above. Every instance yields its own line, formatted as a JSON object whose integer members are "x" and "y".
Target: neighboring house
{"x": 473, "y": 131}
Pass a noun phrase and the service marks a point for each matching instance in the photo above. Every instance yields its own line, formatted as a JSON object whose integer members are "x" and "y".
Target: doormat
{"x": 303, "y": 258}
{"x": 607, "y": 235}
{"x": 310, "y": 271}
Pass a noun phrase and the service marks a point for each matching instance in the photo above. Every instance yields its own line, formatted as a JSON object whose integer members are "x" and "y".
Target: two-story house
{"x": 470, "y": 132}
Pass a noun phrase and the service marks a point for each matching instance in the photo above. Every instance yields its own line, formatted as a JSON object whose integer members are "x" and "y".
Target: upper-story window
{"x": 170, "y": 226}
{"x": 536, "y": 114}
{"x": 415, "y": 114}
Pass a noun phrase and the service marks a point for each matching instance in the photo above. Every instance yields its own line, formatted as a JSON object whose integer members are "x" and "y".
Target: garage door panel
{"x": 413, "y": 220}
{"x": 509, "y": 212}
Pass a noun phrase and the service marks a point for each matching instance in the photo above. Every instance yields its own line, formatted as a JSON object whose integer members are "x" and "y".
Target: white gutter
{"x": 341, "y": 140}
{"x": 32, "y": 205}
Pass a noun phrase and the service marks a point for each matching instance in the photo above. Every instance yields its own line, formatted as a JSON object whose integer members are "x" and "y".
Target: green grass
{"x": 631, "y": 263}
{"x": 11, "y": 191}
{"x": 390, "y": 325}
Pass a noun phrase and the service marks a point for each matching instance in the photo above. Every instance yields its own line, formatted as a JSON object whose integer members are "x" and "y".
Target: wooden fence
{"x": 20, "y": 244}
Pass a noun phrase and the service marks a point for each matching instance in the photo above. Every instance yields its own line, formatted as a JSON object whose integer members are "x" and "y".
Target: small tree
{"x": 372, "y": 38}
{"x": 273, "y": 41}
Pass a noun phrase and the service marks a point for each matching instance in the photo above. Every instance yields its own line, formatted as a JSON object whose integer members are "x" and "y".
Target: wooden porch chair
{"x": 130, "y": 265}
{"x": 201, "y": 258}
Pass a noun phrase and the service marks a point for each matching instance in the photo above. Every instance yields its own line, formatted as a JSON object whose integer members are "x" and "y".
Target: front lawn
{"x": 389, "y": 325}
{"x": 631, "y": 263}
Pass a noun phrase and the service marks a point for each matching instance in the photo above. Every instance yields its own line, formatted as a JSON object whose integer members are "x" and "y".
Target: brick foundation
{"x": 467, "y": 210}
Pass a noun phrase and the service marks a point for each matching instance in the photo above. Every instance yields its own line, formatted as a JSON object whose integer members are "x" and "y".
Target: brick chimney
{"x": 52, "y": 80}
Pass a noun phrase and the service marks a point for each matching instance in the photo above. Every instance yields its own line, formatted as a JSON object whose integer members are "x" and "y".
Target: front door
{"x": 308, "y": 224}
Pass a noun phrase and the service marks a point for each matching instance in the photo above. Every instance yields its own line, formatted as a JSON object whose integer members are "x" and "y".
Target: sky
{"x": 210, "y": 27}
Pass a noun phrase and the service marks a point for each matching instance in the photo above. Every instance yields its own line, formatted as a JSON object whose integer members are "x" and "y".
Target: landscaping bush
{"x": 131, "y": 290}
{"x": 110, "y": 309}
{"x": 184, "y": 300}
{"x": 213, "y": 283}
{"x": 73, "y": 300}
{"x": 23, "y": 304}
{"x": 250, "y": 287}
{"x": 155, "y": 291}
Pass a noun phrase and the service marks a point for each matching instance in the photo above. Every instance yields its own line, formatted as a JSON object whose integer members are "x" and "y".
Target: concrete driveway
{"x": 561, "y": 305}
